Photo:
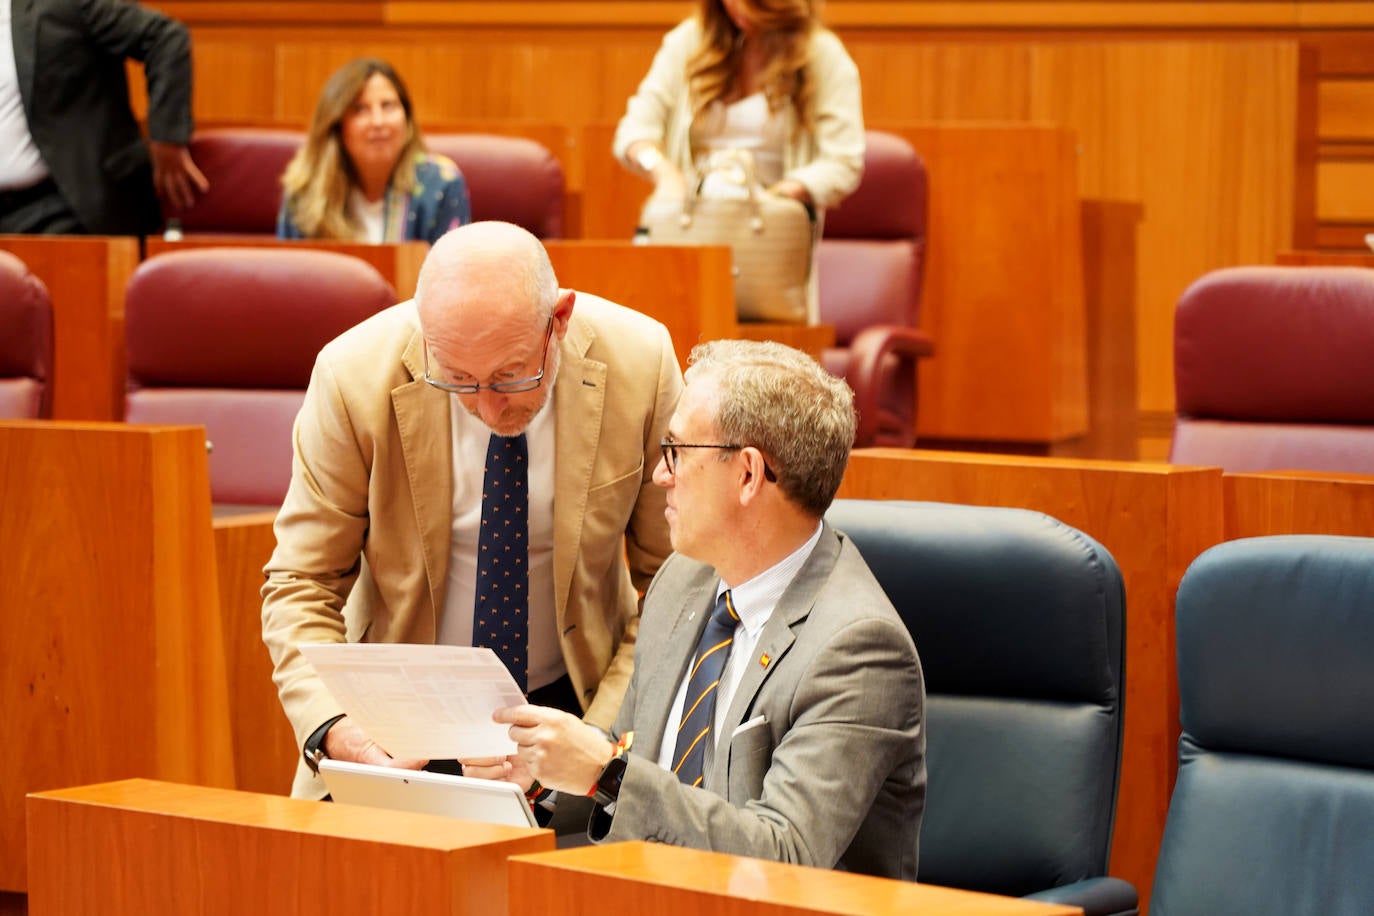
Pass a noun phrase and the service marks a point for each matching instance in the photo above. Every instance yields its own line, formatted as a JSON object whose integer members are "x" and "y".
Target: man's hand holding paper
{"x": 415, "y": 702}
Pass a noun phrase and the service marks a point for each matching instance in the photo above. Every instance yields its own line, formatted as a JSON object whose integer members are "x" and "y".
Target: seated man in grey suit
{"x": 776, "y": 704}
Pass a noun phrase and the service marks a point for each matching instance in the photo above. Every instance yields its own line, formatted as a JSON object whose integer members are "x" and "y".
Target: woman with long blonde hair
{"x": 760, "y": 75}
{"x": 363, "y": 173}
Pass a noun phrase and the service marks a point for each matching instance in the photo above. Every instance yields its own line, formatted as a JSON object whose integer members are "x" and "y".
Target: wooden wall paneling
{"x": 675, "y": 881}
{"x": 908, "y": 79}
{"x": 611, "y": 196}
{"x": 85, "y": 277}
{"x": 1201, "y": 133}
{"x": 1345, "y": 191}
{"x": 194, "y": 850}
{"x": 1329, "y": 258}
{"x": 1337, "y": 142}
{"x": 1154, "y": 519}
{"x": 458, "y": 73}
{"x": 113, "y": 659}
{"x": 1003, "y": 295}
{"x": 1298, "y": 502}
{"x": 1110, "y": 228}
{"x": 1343, "y": 238}
{"x": 1344, "y": 108}
{"x": 1134, "y": 16}
{"x": 265, "y": 751}
{"x": 1305, "y": 149}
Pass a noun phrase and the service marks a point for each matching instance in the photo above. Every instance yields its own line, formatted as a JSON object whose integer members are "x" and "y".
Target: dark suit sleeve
{"x": 162, "y": 45}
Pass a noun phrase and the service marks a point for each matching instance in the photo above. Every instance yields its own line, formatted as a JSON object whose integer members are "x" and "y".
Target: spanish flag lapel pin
{"x": 764, "y": 659}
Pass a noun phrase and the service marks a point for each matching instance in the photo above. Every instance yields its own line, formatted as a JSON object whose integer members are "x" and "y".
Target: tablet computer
{"x": 427, "y": 793}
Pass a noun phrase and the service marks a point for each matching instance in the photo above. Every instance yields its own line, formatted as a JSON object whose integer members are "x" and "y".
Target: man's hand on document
{"x": 558, "y": 749}
{"x": 346, "y": 741}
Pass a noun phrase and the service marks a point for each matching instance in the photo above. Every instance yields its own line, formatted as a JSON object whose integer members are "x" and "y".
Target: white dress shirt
{"x": 754, "y": 601}
{"x": 470, "y": 438}
{"x": 21, "y": 165}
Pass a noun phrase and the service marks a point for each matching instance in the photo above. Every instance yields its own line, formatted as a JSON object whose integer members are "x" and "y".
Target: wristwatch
{"x": 608, "y": 783}
{"x": 314, "y": 745}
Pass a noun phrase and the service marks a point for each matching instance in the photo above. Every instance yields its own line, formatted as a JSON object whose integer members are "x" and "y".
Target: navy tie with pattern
{"x": 699, "y": 709}
{"x": 500, "y": 617}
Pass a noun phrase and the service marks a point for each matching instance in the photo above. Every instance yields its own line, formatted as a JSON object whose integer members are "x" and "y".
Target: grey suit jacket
{"x": 835, "y": 774}
{"x": 69, "y": 56}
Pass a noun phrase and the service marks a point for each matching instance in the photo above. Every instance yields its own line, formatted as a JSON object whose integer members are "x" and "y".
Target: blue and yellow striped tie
{"x": 699, "y": 709}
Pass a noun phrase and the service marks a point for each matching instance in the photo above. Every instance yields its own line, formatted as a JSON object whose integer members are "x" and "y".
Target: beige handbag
{"x": 769, "y": 235}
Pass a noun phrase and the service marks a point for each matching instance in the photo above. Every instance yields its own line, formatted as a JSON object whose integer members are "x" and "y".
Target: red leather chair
{"x": 870, "y": 264}
{"x": 227, "y": 337}
{"x": 244, "y": 167}
{"x": 512, "y": 179}
{"x": 1274, "y": 369}
{"x": 25, "y": 342}
{"x": 509, "y": 178}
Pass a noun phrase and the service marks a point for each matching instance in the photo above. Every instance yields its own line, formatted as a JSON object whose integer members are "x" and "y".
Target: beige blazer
{"x": 363, "y": 535}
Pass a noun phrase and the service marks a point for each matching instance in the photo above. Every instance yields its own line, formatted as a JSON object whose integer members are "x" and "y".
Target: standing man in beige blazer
{"x": 377, "y": 537}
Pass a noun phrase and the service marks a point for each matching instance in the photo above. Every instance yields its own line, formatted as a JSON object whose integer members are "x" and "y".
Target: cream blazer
{"x": 363, "y": 535}
{"x": 828, "y": 159}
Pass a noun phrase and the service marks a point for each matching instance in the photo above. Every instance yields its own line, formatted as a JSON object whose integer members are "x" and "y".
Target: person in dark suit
{"x": 72, "y": 159}
{"x": 777, "y": 704}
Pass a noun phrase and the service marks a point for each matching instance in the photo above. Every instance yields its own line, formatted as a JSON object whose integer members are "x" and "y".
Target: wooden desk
{"x": 398, "y": 263}
{"x": 673, "y": 881}
{"x": 1298, "y": 502}
{"x": 113, "y": 655}
{"x": 688, "y": 288}
{"x": 1154, "y": 519}
{"x": 265, "y": 751}
{"x": 85, "y": 278}
{"x": 195, "y": 851}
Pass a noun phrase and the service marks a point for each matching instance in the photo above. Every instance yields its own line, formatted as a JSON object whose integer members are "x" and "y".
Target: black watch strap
{"x": 608, "y": 783}
{"x": 314, "y": 745}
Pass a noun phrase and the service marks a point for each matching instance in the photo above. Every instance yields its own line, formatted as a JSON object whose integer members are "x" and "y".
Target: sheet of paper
{"x": 427, "y": 702}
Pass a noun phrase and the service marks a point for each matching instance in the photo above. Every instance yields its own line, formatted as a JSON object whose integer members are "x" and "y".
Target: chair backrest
{"x": 1274, "y": 369}
{"x": 227, "y": 338}
{"x": 1274, "y": 801}
{"x": 872, "y": 257}
{"x": 509, "y": 178}
{"x": 25, "y": 342}
{"x": 1019, "y": 622}
{"x": 244, "y": 166}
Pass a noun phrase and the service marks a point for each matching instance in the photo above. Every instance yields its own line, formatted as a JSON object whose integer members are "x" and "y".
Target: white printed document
{"x": 426, "y": 702}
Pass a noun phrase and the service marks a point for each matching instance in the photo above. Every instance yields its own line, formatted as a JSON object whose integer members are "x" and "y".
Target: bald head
{"x": 491, "y": 313}
{"x": 498, "y": 268}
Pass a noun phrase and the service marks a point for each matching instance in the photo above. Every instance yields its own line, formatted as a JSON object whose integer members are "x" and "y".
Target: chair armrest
{"x": 866, "y": 354}
{"x": 1097, "y": 897}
